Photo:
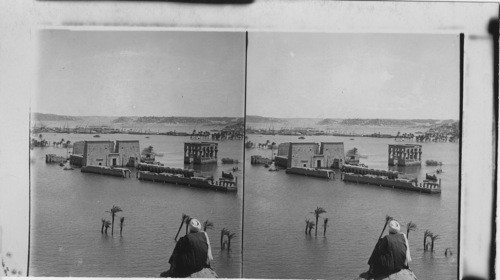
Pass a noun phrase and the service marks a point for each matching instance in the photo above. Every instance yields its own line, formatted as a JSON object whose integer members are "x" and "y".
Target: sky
{"x": 290, "y": 75}
{"x": 324, "y": 75}
{"x": 141, "y": 73}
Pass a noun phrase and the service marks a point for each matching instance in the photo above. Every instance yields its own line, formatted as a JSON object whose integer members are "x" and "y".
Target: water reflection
{"x": 412, "y": 169}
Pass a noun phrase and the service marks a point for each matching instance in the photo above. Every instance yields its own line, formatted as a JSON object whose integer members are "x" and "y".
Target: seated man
{"x": 392, "y": 252}
{"x": 192, "y": 254}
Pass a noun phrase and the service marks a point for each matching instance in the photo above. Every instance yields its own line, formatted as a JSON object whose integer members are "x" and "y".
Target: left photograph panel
{"x": 136, "y": 154}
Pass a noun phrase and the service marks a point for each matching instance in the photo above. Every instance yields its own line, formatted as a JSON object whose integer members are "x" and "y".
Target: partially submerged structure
{"x": 425, "y": 186}
{"x": 405, "y": 154}
{"x": 190, "y": 181}
{"x": 257, "y": 159}
{"x": 200, "y": 152}
{"x": 312, "y": 172}
{"x": 52, "y": 158}
{"x": 106, "y": 170}
{"x": 310, "y": 155}
{"x": 106, "y": 153}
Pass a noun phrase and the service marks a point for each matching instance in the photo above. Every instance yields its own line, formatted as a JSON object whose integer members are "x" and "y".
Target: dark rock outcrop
{"x": 404, "y": 274}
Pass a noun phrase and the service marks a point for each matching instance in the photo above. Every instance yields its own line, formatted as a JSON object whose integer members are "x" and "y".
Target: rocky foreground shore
{"x": 404, "y": 274}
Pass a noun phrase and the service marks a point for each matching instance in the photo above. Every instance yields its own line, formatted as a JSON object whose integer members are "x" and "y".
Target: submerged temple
{"x": 200, "y": 152}
{"x": 106, "y": 153}
{"x": 310, "y": 155}
{"x": 405, "y": 155}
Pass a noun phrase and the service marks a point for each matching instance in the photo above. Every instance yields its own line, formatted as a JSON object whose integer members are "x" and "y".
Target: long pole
{"x": 180, "y": 227}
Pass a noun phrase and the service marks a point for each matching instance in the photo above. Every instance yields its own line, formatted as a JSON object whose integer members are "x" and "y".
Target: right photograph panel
{"x": 352, "y": 155}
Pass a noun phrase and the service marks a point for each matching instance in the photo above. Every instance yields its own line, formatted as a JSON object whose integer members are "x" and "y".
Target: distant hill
{"x": 390, "y": 122}
{"x": 452, "y": 127}
{"x": 188, "y": 120}
{"x": 52, "y": 117}
{"x": 329, "y": 121}
{"x": 123, "y": 120}
{"x": 259, "y": 119}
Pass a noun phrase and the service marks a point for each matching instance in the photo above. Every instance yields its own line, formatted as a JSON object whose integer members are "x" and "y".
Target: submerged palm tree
{"x": 103, "y": 221}
{"x": 106, "y": 226}
{"x": 353, "y": 151}
{"x": 147, "y": 150}
{"x": 325, "y": 224}
{"x": 311, "y": 226}
{"x": 184, "y": 217}
{"x": 318, "y": 211}
{"x": 427, "y": 233}
{"x": 307, "y": 225}
{"x": 223, "y": 232}
{"x": 229, "y": 237}
{"x": 113, "y": 212}
{"x": 433, "y": 237}
{"x": 410, "y": 226}
{"x": 448, "y": 251}
{"x": 207, "y": 225}
{"x": 122, "y": 219}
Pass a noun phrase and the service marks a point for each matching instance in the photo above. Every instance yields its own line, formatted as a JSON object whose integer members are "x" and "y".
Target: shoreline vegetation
{"x": 436, "y": 130}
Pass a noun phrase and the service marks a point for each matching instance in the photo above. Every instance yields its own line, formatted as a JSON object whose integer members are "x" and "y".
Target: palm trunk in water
{"x": 222, "y": 239}
{"x": 112, "y": 222}
{"x": 316, "y": 229}
{"x": 122, "y": 220}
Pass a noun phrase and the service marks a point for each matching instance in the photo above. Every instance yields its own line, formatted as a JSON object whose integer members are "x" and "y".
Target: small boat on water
{"x": 302, "y": 137}
{"x": 97, "y": 136}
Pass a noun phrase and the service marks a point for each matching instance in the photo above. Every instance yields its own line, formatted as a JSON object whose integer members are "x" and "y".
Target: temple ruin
{"x": 200, "y": 152}
{"x": 405, "y": 155}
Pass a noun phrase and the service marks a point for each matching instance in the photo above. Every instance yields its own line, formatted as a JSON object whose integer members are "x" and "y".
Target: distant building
{"x": 310, "y": 154}
{"x": 405, "y": 154}
{"x": 106, "y": 153}
{"x": 200, "y": 152}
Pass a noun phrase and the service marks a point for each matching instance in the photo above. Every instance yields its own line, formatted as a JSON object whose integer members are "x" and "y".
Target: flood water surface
{"x": 67, "y": 207}
{"x": 277, "y": 205}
